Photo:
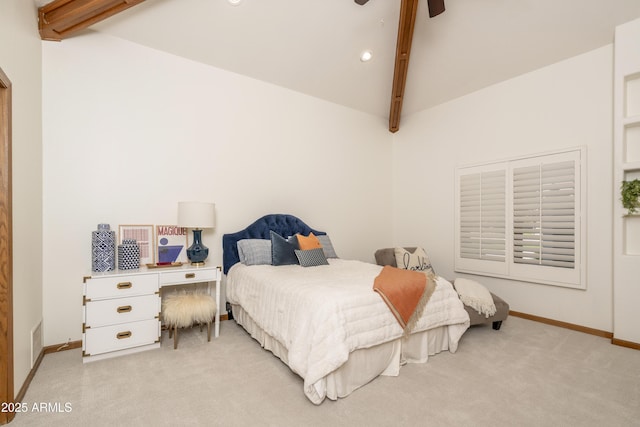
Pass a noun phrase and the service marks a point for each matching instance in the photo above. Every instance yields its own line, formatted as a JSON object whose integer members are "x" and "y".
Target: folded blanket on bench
{"x": 405, "y": 292}
{"x": 476, "y": 296}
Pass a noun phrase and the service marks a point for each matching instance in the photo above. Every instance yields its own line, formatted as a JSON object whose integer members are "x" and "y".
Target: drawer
{"x": 191, "y": 276}
{"x": 120, "y": 337}
{"x": 121, "y": 286}
{"x": 121, "y": 310}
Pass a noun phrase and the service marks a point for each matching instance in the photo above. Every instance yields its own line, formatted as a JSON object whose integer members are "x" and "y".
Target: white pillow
{"x": 417, "y": 261}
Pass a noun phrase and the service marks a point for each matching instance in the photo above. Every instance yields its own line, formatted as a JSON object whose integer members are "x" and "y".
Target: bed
{"x": 325, "y": 321}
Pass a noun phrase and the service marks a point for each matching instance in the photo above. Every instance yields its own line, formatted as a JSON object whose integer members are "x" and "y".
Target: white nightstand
{"x": 121, "y": 309}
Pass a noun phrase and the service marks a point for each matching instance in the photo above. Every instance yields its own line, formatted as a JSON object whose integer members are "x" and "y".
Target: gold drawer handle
{"x": 123, "y": 335}
{"x": 124, "y": 309}
{"x": 190, "y": 275}
{"x": 124, "y": 285}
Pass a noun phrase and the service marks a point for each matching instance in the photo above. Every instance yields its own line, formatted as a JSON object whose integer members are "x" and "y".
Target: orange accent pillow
{"x": 308, "y": 242}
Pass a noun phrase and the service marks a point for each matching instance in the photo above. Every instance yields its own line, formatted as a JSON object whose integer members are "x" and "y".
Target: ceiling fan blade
{"x": 361, "y": 2}
{"x": 436, "y": 7}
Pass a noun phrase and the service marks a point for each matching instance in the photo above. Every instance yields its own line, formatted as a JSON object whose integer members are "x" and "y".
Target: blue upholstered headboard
{"x": 284, "y": 225}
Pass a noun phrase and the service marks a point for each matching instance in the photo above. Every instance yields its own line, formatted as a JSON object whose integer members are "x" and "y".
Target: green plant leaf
{"x": 630, "y": 195}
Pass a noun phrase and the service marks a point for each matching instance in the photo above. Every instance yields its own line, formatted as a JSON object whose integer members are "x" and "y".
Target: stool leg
{"x": 209, "y": 331}
{"x": 175, "y": 338}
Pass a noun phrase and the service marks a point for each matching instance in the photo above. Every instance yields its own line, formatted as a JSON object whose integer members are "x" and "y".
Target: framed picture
{"x": 143, "y": 235}
{"x": 171, "y": 243}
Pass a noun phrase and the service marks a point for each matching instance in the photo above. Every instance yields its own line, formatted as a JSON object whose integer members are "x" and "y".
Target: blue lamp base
{"x": 197, "y": 252}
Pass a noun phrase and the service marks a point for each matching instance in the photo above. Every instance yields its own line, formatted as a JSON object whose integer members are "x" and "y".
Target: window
{"x": 523, "y": 219}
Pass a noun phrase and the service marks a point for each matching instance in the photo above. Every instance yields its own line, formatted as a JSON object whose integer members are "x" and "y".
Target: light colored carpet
{"x": 526, "y": 374}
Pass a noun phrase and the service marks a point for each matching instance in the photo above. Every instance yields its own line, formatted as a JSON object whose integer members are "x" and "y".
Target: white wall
{"x": 20, "y": 59}
{"x": 129, "y": 132}
{"x": 567, "y": 104}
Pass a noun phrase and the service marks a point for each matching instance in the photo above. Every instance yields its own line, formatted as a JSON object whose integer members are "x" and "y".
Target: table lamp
{"x": 196, "y": 215}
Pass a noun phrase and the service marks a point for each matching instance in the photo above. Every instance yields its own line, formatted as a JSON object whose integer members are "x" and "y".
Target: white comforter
{"x": 321, "y": 314}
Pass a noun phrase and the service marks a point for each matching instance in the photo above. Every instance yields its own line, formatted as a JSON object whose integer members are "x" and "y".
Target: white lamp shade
{"x": 196, "y": 214}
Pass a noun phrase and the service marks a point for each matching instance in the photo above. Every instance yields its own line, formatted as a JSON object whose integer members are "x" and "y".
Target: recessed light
{"x": 234, "y": 2}
{"x": 366, "y": 56}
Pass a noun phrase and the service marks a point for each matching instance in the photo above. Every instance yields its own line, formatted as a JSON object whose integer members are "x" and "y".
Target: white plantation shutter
{"x": 482, "y": 216}
{"x": 523, "y": 219}
{"x": 481, "y": 241}
{"x": 544, "y": 214}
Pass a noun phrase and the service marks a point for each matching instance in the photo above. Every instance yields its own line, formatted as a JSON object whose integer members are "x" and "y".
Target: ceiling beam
{"x": 436, "y": 7}
{"x": 61, "y": 19}
{"x": 408, "y": 11}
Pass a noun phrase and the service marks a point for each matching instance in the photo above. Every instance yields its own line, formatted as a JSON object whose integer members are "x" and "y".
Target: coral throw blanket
{"x": 406, "y": 293}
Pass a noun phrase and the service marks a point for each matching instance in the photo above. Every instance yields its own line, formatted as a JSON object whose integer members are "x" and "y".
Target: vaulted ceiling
{"x": 313, "y": 46}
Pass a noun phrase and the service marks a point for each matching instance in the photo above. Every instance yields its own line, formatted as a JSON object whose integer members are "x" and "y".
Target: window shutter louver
{"x": 544, "y": 214}
{"x": 482, "y": 216}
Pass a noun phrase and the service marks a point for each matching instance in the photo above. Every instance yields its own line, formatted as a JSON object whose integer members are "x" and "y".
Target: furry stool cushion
{"x": 183, "y": 309}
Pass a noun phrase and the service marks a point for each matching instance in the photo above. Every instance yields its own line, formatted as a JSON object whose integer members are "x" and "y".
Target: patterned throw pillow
{"x": 254, "y": 251}
{"x": 282, "y": 251}
{"x": 311, "y": 257}
{"x": 417, "y": 261}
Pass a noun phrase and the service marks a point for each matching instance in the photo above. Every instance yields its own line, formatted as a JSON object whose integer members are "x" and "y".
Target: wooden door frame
{"x": 6, "y": 250}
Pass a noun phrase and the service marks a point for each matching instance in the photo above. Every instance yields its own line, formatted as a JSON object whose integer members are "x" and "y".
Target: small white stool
{"x": 184, "y": 309}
